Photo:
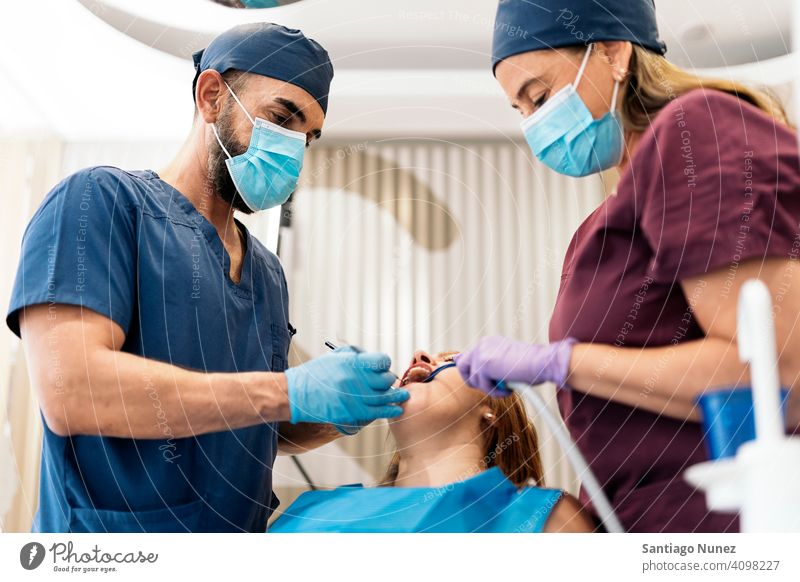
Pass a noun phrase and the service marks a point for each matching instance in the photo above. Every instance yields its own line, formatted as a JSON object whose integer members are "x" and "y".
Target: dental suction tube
{"x": 589, "y": 481}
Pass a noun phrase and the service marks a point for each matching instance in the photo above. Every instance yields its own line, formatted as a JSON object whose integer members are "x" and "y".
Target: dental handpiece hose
{"x": 588, "y": 480}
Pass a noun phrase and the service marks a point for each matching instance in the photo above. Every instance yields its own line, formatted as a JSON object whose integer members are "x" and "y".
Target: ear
{"x": 488, "y": 417}
{"x": 617, "y": 53}
{"x": 210, "y": 94}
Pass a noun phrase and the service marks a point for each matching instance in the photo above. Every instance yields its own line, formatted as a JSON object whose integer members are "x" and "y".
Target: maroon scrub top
{"x": 714, "y": 182}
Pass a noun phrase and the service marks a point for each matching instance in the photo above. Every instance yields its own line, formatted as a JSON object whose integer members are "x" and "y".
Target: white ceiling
{"x": 443, "y": 34}
{"x": 64, "y": 70}
{"x": 715, "y": 33}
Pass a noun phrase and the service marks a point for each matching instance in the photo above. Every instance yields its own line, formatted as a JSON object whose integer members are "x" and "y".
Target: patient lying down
{"x": 465, "y": 462}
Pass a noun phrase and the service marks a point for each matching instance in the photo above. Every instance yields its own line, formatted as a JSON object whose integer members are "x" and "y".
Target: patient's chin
{"x": 417, "y": 402}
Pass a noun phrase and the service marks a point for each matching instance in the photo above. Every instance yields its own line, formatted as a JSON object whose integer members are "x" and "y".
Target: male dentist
{"x": 156, "y": 326}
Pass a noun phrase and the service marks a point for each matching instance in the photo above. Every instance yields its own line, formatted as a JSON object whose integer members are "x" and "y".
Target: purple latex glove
{"x": 497, "y": 358}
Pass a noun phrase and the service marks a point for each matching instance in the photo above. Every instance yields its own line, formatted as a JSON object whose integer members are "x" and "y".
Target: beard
{"x": 218, "y": 174}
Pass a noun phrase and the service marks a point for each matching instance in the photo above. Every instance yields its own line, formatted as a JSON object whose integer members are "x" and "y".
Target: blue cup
{"x": 728, "y": 420}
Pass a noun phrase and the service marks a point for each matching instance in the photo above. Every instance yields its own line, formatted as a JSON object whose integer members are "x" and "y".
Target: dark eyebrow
{"x": 292, "y": 107}
{"x": 295, "y": 111}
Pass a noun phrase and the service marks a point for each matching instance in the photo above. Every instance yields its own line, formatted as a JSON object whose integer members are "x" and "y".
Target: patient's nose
{"x": 422, "y": 356}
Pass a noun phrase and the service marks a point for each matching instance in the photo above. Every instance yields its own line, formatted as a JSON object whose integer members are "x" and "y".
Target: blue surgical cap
{"x": 529, "y": 25}
{"x": 273, "y": 51}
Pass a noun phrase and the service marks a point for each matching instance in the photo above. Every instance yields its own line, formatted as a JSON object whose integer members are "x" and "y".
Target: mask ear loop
{"x": 214, "y": 125}
{"x": 583, "y": 65}
{"x": 219, "y": 141}
{"x": 239, "y": 103}
{"x": 614, "y": 96}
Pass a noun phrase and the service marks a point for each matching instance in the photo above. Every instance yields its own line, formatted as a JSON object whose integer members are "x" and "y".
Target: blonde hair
{"x": 511, "y": 443}
{"x": 653, "y": 82}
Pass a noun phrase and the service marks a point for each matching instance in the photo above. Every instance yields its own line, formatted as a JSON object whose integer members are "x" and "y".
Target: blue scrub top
{"x": 132, "y": 248}
{"x": 486, "y": 503}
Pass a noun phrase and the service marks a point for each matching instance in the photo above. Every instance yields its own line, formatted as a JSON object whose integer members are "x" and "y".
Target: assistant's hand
{"x": 497, "y": 358}
{"x": 344, "y": 387}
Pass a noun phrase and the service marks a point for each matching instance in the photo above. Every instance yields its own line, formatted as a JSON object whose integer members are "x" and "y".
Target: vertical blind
{"x": 393, "y": 245}
{"x": 397, "y": 245}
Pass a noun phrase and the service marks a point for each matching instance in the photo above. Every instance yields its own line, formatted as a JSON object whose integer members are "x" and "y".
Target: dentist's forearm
{"x": 140, "y": 398}
{"x": 294, "y": 439}
{"x": 86, "y": 386}
{"x": 123, "y": 395}
{"x": 664, "y": 380}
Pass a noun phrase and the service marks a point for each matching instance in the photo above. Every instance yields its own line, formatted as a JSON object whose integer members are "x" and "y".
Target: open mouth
{"x": 418, "y": 372}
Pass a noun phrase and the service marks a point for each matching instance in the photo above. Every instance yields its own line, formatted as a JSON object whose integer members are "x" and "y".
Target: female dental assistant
{"x": 645, "y": 318}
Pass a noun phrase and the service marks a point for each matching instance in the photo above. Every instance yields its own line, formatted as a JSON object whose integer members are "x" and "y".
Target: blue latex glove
{"x": 495, "y": 360}
{"x": 345, "y": 388}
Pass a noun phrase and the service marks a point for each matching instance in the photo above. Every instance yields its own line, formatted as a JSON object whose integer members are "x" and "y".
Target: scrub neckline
{"x": 243, "y": 288}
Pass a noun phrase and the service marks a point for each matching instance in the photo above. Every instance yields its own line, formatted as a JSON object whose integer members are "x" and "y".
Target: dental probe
{"x": 332, "y": 346}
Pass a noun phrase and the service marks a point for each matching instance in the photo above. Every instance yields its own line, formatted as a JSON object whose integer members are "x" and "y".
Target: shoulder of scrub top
{"x": 709, "y": 116}
{"x": 136, "y": 191}
{"x": 698, "y": 133}
{"x": 102, "y": 180}
{"x": 119, "y": 191}
{"x": 113, "y": 188}
{"x": 142, "y": 191}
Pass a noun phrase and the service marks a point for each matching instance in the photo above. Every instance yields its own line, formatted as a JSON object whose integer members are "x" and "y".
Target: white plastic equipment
{"x": 762, "y": 482}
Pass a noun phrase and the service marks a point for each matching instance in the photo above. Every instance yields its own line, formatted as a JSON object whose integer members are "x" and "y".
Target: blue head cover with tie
{"x": 528, "y": 25}
{"x": 273, "y": 51}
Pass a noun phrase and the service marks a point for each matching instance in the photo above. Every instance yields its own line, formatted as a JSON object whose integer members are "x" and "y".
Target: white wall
{"x": 405, "y": 244}
{"x": 395, "y": 245}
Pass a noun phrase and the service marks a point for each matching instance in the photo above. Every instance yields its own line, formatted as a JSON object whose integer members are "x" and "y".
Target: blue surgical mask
{"x": 267, "y": 173}
{"x": 566, "y": 138}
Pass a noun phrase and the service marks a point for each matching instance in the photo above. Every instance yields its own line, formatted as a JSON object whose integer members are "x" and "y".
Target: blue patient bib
{"x": 486, "y": 503}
